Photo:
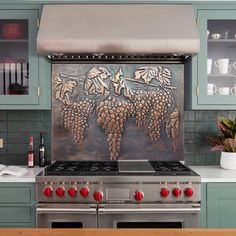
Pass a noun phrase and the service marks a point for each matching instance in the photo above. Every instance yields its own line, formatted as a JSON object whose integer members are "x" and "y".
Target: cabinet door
{"x": 18, "y": 58}
{"x": 216, "y": 74}
{"x": 221, "y": 205}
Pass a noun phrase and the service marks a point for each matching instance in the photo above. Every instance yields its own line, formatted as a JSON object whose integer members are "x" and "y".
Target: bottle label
{"x": 31, "y": 159}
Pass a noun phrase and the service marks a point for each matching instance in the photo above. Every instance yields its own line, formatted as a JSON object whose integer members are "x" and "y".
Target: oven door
{"x": 149, "y": 215}
{"x": 66, "y": 216}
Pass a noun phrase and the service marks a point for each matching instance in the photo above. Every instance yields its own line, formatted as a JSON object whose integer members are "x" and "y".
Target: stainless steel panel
{"x": 135, "y": 166}
{"x": 110, "y": 215}
{"x": 64, "y": 213}
{"x": 118, "y": 194}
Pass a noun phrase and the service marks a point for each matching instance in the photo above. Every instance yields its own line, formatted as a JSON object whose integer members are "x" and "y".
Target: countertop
{"x": 28, "y": 177}
{"x": 207, "y": 173}
{"x": 118, "y": 232}
{"x": 214, "y": 174}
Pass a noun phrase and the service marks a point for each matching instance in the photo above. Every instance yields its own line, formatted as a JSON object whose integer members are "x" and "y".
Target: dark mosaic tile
{"x": 211, "y": 159}
{"x": 232, "y": 115}
{"x": 3, "y": 135}
{"x": 200, "y": 126}
{"x": 34, "y": 115}
{"x": 23, "y": 115}
{"x": 189, "y": 148}
{"x": 45, "y": 116}
{"x": 16, "y": 159}
{"x": 4, "y": 149}
{"x": 199, "y": 137}
{"x": 3, "y": 115}
{"x": 189, "y": 115}
{"x": 200, "y": 159}
{"x": 200, "y": 148}
{"x": 189, "y": 159}
{"x": 12, "y": 115}
{"x": 13, "y": 148}
{"x": 211, "y": 127}
{"x": 212, "y": 115}
{"x": 13, "y": 137}
{"x": 189, "y": 137}
{"x": 3, "y": 126}
{"x": 189, "y": 126}
{"x": 200, "y": 115}
{"x": 23, "y": 149}
{"x": 223, "y": 114}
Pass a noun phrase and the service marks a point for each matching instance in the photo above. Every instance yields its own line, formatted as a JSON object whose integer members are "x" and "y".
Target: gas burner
{"x": 170, "y": 168}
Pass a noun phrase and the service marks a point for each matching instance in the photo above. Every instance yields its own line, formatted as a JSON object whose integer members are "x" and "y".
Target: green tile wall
{"x": 16, "y": 126}
{"x": 197, "y": 126}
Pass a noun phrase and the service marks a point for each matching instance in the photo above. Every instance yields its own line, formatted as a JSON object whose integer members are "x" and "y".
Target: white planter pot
{"x": 228, "y": 160}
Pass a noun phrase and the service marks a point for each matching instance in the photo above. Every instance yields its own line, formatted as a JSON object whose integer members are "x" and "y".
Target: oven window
{"x": 149, "y": 225}
{"x": 66, "y": 225}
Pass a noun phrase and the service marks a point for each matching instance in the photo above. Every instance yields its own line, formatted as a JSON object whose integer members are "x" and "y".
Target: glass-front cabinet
{"x": 215, "y": 76}
{"x": 19, "y": 77}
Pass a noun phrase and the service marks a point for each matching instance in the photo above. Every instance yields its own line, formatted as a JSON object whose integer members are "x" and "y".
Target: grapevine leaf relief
{"x": 62, "y": 89}
{"x": 146, "y": 73}
{"x": 147, "y": 107}
{"x": 172, "y": 128}
{"x": 119, "y": 83}
{"x": 94, "y": 84}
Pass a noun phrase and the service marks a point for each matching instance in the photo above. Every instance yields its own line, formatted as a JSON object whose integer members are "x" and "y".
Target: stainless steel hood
{"x": 118, "y": 28}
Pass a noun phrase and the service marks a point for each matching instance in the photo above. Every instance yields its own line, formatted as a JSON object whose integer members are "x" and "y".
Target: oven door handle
{"x": 148, "y": 210}
{"x": 66, "y": 210}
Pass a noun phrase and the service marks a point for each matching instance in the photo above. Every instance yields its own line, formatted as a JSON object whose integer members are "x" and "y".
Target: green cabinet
{"x": 213, "y": 70}
{"x": 221, "y": 205}
{"x": 218, "y": 205}
{"x": 17, "y": 205}
{"x": 24, "y": 75}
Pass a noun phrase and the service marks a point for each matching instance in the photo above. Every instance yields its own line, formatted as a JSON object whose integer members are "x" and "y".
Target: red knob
{"x": 84, "y": 192}
{"x": 176, "y": 192}
{"x": 60, "y": 191}
{"x": 72, "y": 191}
{"x": 164, "y": 192}
{"x": 47, "y": 192}
{"x": 98, "y": 195}
{"x": 138, "y": 196}
{"x": 188, "y": 192}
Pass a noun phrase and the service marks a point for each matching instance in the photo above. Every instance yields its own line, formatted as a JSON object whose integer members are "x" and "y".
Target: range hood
{"x": 117, "y": 29}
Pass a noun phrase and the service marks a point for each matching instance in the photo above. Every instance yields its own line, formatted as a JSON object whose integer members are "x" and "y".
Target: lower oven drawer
{"x": 149, "y": 215}
{"x": 66, "y": 216}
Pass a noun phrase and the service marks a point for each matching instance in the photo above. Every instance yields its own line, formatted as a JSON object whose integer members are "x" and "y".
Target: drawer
{"x": 15, "y": 214}
{"x": 15, "y": 195}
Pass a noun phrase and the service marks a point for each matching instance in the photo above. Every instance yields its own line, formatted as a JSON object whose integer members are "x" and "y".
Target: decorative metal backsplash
{"x": 117, "y": 111}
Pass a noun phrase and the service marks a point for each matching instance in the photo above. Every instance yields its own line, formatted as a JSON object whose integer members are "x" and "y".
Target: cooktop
{"x": 122, "y": 167}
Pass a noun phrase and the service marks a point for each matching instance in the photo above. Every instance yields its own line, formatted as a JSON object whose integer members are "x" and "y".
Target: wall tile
{"x": 17, "y": 126}
{"x": 34, "y": 115}
{"x": 23, "y": 115}
{"x": 3, "y": 115}
{"x": 12, "y": 115}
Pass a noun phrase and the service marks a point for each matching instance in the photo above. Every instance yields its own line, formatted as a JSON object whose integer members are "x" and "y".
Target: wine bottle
{"x": 31, "y": 156}
{"x": 41, "y": 151}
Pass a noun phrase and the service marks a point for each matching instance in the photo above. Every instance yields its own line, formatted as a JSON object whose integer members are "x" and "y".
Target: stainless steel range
{"x": 119, "y": 194}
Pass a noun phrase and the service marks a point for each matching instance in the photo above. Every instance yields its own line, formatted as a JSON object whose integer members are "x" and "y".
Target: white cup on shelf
{"x": 233, "y": 90}
{"x": 211, "y": 89}
{"x": 223, "y": 65}
{"x": 223, "y": 90}
{"x": 209, "y": 66}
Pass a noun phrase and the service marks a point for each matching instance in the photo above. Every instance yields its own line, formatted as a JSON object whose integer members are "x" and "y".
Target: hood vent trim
{"x": 131, "y": 29}
{"x": 111, "y": 57}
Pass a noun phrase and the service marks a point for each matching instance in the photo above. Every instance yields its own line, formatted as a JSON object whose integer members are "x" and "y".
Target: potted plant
{"x": 225, "y": 142}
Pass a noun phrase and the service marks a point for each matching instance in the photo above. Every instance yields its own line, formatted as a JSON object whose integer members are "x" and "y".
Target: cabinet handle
{"x": 38, "y": 91}
{"x": 197, "y": 91}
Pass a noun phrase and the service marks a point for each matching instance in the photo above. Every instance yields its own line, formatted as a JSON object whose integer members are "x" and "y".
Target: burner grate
{"x": 170, "y": 168}
{"x": 68, "y": 168}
